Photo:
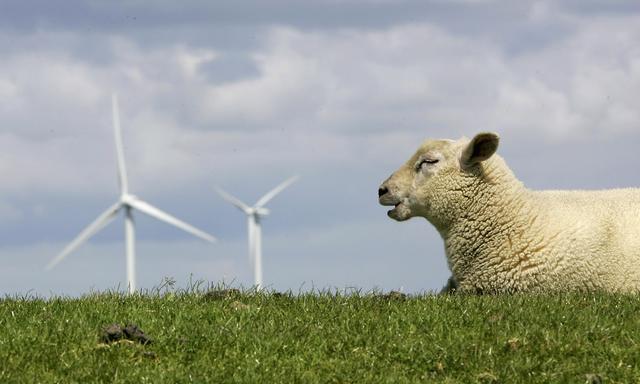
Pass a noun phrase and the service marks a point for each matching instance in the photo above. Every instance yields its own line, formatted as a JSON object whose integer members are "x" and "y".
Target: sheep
{"x": 501, "y": 237}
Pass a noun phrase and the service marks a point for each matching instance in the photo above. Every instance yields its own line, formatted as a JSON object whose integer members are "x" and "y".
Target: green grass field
{"x": 323, "y": 337}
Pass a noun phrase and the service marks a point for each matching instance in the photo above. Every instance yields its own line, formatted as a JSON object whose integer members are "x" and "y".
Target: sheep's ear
{"x": 480, "y": 148}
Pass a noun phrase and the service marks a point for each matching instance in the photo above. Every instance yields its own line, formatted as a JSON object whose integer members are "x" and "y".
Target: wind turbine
{"x": 127, "y": 203}
{"x": 254, "y": 216}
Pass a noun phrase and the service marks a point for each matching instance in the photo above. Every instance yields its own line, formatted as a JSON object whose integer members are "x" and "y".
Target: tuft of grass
{"x": 323, "y": 337}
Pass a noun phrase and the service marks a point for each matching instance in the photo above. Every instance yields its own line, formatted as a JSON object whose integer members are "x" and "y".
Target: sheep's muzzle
{"x": 400, "y": 211}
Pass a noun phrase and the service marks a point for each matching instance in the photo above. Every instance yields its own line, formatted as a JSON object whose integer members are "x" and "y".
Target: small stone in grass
{"x": 111, "y": 333}
{"x": 134, "y": 333}
{"x": 114, "y": 332}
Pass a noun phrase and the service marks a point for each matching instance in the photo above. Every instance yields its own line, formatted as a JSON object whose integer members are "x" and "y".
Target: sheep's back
{"x": 596, "y": 231}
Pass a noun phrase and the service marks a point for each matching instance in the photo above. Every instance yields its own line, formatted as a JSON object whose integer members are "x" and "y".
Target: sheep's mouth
{"x": 395, "y": 209}
{"x": 400, "y": 209}
{"x": 400, "y": 212}
{"x": 389, "y": 202}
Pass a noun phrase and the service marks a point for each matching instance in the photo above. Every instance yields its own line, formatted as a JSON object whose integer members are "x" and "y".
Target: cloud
{"x": 410, "y": 76}
{"x": 582, "y": 84}
{"x": 311, "y": 101}
{"x": 340, "y": 107}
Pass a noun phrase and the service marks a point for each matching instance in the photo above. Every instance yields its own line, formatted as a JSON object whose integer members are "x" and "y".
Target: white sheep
{"x": 502, "y": 237}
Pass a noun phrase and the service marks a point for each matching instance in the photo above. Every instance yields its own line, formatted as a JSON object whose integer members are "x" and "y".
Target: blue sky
{"x": 242, "y": 96}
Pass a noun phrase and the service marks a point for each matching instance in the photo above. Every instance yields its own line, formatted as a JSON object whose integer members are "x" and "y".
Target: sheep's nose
{"x": 382, "y": 190}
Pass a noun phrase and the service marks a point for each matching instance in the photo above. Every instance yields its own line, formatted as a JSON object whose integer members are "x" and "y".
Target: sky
{"x": 245, "y": 94}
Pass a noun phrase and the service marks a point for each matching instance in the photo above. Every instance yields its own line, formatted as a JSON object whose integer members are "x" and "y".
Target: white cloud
{"x": 191, "y": 60}
{"x": 316, "y": 96}
{"x": 357, "y": 80}
{"x": 532, "y": 106}
{"x": 418, "y": 75}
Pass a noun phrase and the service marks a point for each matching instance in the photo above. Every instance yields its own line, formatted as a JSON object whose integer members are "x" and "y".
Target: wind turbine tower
{"x": 127, "y": 203}
{"x": 254, "y": 227}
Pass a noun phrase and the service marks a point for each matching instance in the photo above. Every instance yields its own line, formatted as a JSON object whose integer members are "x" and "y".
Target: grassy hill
{"x": 228, "y": 336}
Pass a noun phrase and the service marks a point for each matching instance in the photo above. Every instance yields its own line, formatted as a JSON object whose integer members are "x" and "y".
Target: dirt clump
{"x": 111, "y": 333}
{"x": 114, "y": 332}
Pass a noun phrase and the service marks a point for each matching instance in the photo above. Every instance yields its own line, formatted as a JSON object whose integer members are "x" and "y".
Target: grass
{"x": 323, "y": 338}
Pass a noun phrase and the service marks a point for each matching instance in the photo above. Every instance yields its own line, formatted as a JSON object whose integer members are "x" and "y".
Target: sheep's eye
{"x": 426, "y": 162}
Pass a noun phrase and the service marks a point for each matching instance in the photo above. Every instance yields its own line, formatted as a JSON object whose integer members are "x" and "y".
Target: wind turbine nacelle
{"x": 128, "y": 198}
{"x": 262, "y": 211}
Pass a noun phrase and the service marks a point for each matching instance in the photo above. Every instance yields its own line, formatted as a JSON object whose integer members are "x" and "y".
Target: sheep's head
{"x": 434, "y": 176}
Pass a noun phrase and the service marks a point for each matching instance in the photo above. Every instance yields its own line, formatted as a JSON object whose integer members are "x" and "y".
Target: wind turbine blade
{"x": 271, "y": 194}
{"x": 122, "y": 170}
{"x": 167, "y": 218}
{"x": 105, "y": 218}
{"x": 233, "y": 200}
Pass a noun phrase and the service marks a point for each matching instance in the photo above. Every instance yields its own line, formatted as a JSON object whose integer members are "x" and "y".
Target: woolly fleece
{"x": 502, "y": 237}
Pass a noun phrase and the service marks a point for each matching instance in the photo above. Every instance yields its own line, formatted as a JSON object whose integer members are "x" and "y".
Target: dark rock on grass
{"x": 133, "y": 333}
{"x": 114, "y": 332}
{"x": 111, "y": 333}
{"x": 221, "y": 294}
